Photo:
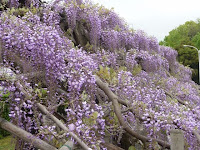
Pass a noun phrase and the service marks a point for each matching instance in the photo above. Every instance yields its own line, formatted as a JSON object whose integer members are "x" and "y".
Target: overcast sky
{"x": 155, "y": 17}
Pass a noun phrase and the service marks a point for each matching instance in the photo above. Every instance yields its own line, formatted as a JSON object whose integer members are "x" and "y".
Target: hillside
{"x": 110, "y": 85}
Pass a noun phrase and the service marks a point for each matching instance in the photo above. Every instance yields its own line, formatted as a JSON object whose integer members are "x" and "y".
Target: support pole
{"x": 177, "y": 139}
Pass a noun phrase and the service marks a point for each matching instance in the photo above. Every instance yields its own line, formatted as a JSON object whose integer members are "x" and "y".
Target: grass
{"x": 7, "y": 143}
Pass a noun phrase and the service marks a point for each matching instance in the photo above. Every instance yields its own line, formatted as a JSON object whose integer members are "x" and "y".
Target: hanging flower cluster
{"x": 155, "y": 88}
{"x": 79, "y": 72}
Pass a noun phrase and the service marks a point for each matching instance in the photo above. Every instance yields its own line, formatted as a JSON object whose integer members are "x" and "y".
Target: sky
{"x": 156, "y": 17}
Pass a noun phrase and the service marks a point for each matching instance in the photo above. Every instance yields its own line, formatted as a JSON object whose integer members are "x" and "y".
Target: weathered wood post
{"x": 177, "y": 139}
{"x": 69, "y": 145}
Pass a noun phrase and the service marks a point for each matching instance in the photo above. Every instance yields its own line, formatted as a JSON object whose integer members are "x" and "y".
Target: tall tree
{"x": 186, "y": 34}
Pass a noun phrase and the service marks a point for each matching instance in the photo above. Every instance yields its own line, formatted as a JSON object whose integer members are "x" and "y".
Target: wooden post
{"x": 69, "y": 145}
{"x": 177, "y": 139}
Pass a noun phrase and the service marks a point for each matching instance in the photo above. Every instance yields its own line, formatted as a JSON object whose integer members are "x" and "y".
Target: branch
{"x": 62, "y": 126}
{"x": 127, "y": 104}
{"x": 180, "y": 101}
{"x": 7, "y": 74}
{"x": 59, "y": 90}
{"x": 197, "y": 135}
{"x": 110, "y": 146}
{"x": 183, "y": 103}
{"x": 37, "y": 74}
{"x": 58, "y": 122}
{"x": 101, "y": 96}
{"x": 26, "y": 136}
{"x": 22, "y": 133}
{"x": 118, "y": 113}
{"x": 21, "y": 88}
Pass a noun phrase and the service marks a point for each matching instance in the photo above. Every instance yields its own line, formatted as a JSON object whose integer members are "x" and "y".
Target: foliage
{"x": 4, "y": 111}
{"x": 186, "y": 34}
{"x": 52, "y": 55}
{"x": 196, "y": 40}
{"x": 8, "y": 143}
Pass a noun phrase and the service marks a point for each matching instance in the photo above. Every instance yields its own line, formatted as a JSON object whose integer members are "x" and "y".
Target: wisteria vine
{"x": 41, "y": 64}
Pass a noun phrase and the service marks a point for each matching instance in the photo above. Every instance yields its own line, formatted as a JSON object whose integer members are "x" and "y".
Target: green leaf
{"x": 131, "y": 148}
{"x": 100, "y": 67}
{"x": 136, "y": 70}
{"x": 94, "y": 115}
{"x": 104, "y": 72}
{"x": 38, "y": 92}
{"x": 82, "y": 6}
{"x": 44, "y": 92}
{"x": 5, "y": 96}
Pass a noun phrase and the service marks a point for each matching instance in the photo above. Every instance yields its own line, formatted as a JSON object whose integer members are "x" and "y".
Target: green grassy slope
{"x": 7, "y": 143}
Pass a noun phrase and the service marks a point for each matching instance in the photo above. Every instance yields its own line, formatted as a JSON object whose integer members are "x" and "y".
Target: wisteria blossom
{"x": 55, "y": 54}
